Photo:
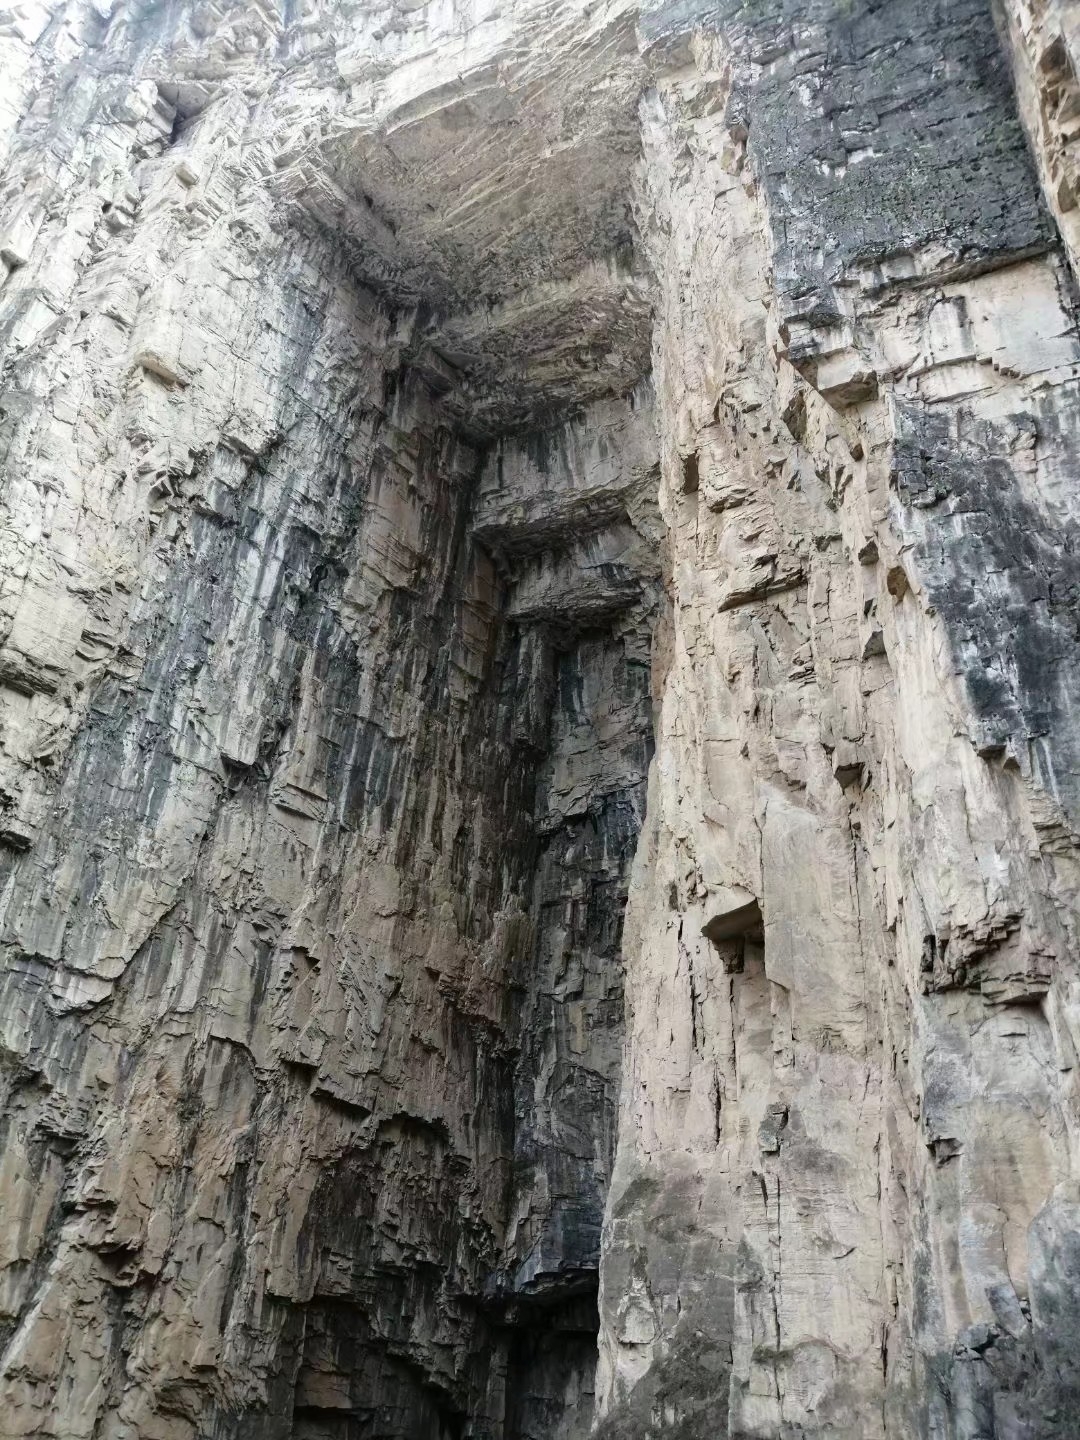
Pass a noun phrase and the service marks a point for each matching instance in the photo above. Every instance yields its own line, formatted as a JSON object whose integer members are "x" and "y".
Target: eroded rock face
{"x": 412, "y": 418}
{"x": 844, "y": 1170}
{"x": 326, "y": 727}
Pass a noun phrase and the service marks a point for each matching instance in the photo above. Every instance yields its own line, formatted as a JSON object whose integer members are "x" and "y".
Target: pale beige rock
{"x": 848, "y": 1083}
{"x": 354, "y": 557}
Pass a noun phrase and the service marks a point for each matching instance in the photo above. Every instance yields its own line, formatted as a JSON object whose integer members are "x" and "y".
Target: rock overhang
{"x": 495, "y": 205}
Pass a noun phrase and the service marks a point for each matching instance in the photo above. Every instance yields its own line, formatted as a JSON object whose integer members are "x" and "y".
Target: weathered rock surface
{"x": 846, "y": 1153}
{"x": 326, "y": 724}
{"x": 412, "y": 416}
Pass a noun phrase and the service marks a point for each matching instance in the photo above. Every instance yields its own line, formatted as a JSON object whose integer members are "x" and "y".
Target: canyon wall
{"x": 844, "y": 1201}
{"x": 469, "y": 473}
{"x": 326, "y": 727}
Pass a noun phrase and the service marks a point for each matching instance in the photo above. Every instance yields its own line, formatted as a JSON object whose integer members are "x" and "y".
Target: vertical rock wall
{"x": 322, "y": 769}
{"x": 844, "y": 1194}
{"x": 572, "y": 514}
{"x": 337, "y": 615}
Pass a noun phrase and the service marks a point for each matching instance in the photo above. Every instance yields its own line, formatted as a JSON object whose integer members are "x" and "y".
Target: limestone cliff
{"x": 470, "y": 471}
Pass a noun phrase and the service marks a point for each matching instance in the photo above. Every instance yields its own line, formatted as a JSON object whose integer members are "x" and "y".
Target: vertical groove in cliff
{"x": 330, "y": 567}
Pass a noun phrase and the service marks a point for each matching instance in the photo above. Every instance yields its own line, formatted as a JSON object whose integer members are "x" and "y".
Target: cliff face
{"x": 327, "y": 722}
{"x": 413, "y": 417}
{"x": 844, "y": 1201}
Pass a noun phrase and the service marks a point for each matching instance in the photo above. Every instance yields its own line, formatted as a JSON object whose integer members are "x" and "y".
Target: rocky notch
{"x": 412, "y": 417}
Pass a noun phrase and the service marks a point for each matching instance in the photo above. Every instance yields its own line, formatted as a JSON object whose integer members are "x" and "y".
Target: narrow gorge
{"x": 539, "y": 719}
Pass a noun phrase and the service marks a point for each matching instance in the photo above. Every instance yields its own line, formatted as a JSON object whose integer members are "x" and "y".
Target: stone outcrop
{"x": 469, "y": 473}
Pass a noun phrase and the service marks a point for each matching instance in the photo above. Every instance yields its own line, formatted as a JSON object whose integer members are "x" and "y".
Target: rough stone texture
{"x": 325, "y": 738}
{"x": 408, "y": 412}
{"x": 841, "y": 1203}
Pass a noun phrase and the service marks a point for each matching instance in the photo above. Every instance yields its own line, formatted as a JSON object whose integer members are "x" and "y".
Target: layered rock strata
{"x": 411, "y": 418}
{"x": 845, "y": 1191}
{"x": 326, "y": 727}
